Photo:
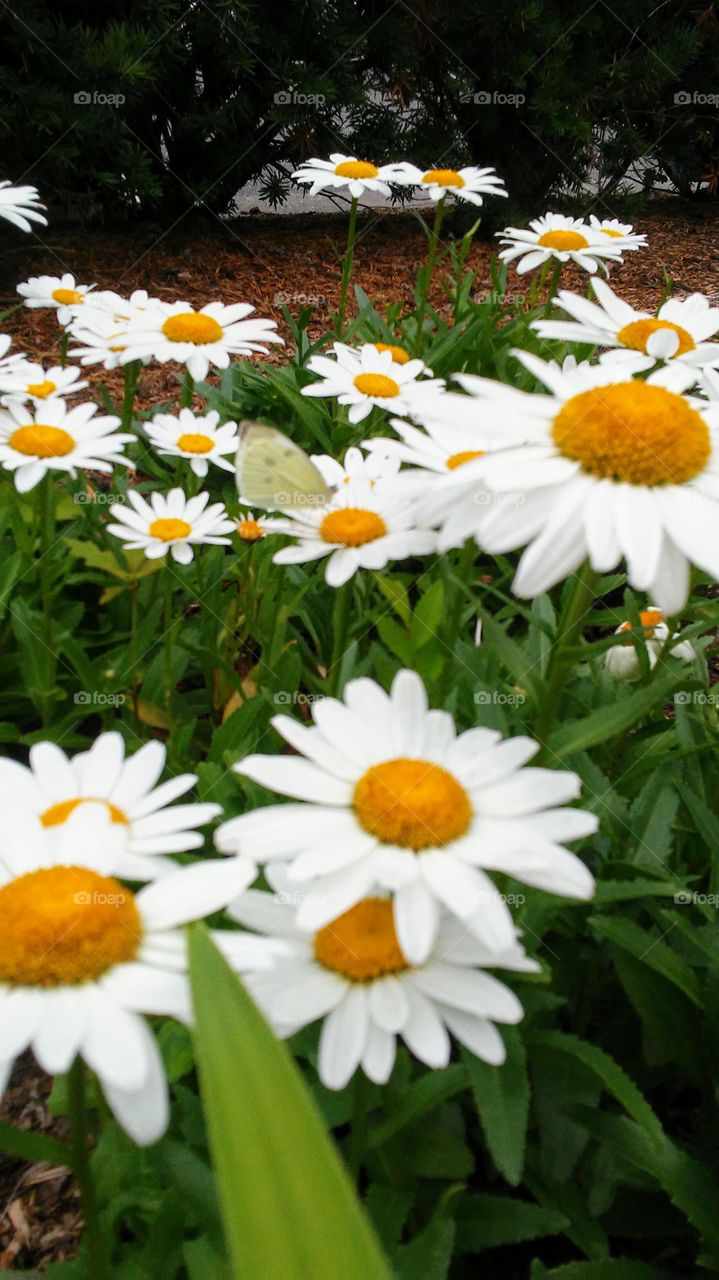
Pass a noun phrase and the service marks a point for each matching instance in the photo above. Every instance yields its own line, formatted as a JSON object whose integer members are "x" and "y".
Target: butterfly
{"x": 273, "y": 472}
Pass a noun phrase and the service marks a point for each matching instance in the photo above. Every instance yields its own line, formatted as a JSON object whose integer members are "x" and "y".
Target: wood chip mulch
{"x": 267, "y": 262}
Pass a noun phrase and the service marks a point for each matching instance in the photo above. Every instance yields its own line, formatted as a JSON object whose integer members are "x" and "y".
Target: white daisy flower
{"x": 343, "y": 171}
{"x": 198, "y": 339}
{"x": 145, "y": 822}
{"x": 392, "y": 798}
{"x": 84, "y": 957}
{"x": 677, "y": 332}
{"x": 470, "y": 183}
{"x": 399, "y": 354}
{"x": 615, "y": 467}
{"x": 22, "y": 382}
{"x": 622, "y": 661}
{"x": 365, "y": 524}
{"x": 559, "y": 237}
{"x": 199, "y": 438}
{"x": 57, "y": 438}
{"x": 104, "y": 304}
{"x": 103, "y": 342}
{"x": 353, "y": 974}
{"x": 20, "y": 205}
{"x": 617, "y": 230}
{"x": 60, "y": 292}
{"x": 170, "y": 522}
{"x": 367, "y": 378}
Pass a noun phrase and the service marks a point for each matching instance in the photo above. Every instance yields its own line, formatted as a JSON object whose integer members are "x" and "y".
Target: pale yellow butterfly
{"x": 273, "y": 472}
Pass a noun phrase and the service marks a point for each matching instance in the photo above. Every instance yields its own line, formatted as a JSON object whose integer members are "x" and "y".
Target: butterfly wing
{"x": 273, "y": 472}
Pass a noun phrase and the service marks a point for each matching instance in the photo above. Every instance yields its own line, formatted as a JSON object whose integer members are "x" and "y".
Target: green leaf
{"x": 485, "y": 1222}
{"x": 651, "y": 950}
{"x": 608, "y": 722}
{"x": 611, "y": 1075}
{"x": 36, "y": 1148}
{"x": 422, "y": 1097}
{"x": 428, "y": 615}
{"x": 501, "y": 1096}
{"x": 288, "y": 1206}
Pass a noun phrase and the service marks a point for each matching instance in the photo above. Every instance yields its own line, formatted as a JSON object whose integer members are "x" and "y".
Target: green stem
{"x": 131, "y": 376}
{"x": 553, "y": 286}
{"x": 64, "y": 340}
{"x": 426, "y": 278}
{"x": 188, "y": 391}
{"x": 347, "y": 266}
{"x": 46, "y": 519}
{"x": 579, "y": 603}
{"x": 134, "y": 590}
{"x": 169, "y": 626}
{"x": 97, "y": 1258}
{"x": 455, "y": 605}
{"x": 357, "y": 1144}
{"x": 340, "y": 629}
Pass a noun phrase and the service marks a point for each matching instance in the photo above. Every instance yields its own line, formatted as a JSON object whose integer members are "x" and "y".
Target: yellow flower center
{"x": 193, "y": 442}
{"x": 59, "y": 813}
{"x": 609, "y": 231}
{"x": 250, "y": 530}
{"x": 637, "y": 333}
{"x": 39, "y": 441}
{"x": 443, "y": 178}
{"x": 168, "y": 529}
{"x": 64, "y": 926}
{"x": 459, "y": 459}
{"x": 41, "y": 390}
{"x": 649, "y": 619}
{"x": 356, "y": 169}
{"x": 191, "y": 326}
{"x": 563, "y": 240}
{"x": 635, "y": 433}
{"x": 352, "y": 526}
{"x": 399, "y": 355}
{"x": 412, "y": 803}
{"x": 377, "y": 384}
{"x": 67, "y": 297}
{"x": 362, "y": 943}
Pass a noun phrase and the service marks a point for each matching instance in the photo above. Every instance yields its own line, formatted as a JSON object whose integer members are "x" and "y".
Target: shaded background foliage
{"x": 217, "y": 92}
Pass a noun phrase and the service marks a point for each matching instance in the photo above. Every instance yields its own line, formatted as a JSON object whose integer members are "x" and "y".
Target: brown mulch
{"x": 269, "y": 261}
{"x": 266, "y": 262}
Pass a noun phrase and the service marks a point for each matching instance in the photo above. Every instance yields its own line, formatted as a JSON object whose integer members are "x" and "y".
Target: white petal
{"x": 343, "y": 1039}
{"x": 416, "y": 918}
{"x": 143, "y": 1113}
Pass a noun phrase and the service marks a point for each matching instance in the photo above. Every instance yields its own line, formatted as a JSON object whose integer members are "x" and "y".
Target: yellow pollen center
{"x": 191, "y": 326}
{"x": 250, "y": 530}
{"x": 195, "y": 443}
{"x": 352, "y": 526}
{"x": 59, "y": 813}
{"x": 649, "y": 619}
{"x": 563, "y": 240}
{"x": 67, "y": 297}
{"x": 609, "y": 231}
{"x": 39, "y": 441}
{"x": 443, "y": 178}
{"x": 362, "y": 943}
{"x": 168, "y": 530}
{"x": 41, "y": 390}
{"x": 377, "y": 384}
{"x": 636, "y": 334}
{"x": 64, "y": 926}
{"x": 412, "y": 803}
{"x": 356, "y": 169}
{"x": 399, "y": 355}
{"x": 634, "y": 433}
{"x": 459, "y": 459}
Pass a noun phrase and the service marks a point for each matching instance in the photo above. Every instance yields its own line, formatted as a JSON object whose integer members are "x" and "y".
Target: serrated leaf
{"x": 501, "y": 1096}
